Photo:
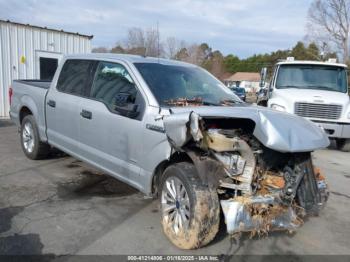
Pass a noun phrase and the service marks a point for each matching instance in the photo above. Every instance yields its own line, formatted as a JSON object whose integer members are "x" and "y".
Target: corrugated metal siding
{"x": 24, "y": 40}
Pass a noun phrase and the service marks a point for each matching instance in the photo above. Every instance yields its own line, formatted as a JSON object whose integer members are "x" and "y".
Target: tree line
{"x": 147, "y": 43}
{"x": 327, "y": 36}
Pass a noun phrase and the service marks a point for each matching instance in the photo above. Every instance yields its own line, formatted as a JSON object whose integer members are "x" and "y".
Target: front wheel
{"x": 343, "y": 144}
{"x": 32, "y": 147}
{"x": 190, "y": 211}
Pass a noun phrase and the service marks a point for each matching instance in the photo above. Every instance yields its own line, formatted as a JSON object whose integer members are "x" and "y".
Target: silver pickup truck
{"x": 172, "y": 130}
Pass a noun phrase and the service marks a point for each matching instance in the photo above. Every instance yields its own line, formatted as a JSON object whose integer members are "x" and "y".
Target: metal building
{"x": 33, "y": 52}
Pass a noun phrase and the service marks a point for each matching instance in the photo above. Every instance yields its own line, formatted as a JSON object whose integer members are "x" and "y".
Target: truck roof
{"x": 304, "y": 62}
{"x": 128, "y": 58}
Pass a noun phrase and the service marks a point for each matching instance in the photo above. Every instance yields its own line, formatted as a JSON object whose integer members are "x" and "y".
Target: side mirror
{"x": 263, "y": 76}
{"x": 124, "y": 104}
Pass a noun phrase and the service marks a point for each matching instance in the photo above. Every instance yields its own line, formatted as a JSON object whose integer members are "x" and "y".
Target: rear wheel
{"x": 32, "y": 147}
{"x": 190, "y": 211}
{"x": 343, "y": 144}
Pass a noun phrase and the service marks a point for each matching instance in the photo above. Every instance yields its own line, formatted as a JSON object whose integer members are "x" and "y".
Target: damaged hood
{"x": 279, "y": 131}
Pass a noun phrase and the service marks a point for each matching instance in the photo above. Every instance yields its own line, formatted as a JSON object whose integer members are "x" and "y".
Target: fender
{"x": 27, "y": 101}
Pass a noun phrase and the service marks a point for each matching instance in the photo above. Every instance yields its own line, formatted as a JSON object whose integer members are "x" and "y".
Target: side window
{"x": 74, "y": 76}
{"x": 273, "y": 77}
{"x": 113, "y": 85}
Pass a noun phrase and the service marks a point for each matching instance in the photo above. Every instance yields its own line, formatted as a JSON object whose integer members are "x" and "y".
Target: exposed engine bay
{"x": 260, "y": 189}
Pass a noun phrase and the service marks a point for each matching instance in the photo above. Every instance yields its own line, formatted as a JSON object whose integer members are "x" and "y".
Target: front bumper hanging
{"x": 259, "y": 214}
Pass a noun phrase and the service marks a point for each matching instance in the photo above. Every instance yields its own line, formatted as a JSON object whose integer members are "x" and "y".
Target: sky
{"x": 240, "y": 27}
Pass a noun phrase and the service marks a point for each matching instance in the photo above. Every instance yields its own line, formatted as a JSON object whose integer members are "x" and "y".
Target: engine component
{"x": 312, "y": 192}
{"x": 234, "y": 164}
{"x": 293, "y": 179}
{"x": 243, "y": 187}
{"x": 272, "y": 182}
{"x": 218, "y": 142}
{"x": 239, "y": 167}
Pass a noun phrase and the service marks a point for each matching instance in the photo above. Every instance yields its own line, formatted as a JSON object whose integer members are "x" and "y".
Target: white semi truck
{"x": 314, "y": 90}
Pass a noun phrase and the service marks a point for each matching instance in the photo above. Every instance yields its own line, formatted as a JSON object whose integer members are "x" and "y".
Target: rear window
{"x": 73, "y": 77}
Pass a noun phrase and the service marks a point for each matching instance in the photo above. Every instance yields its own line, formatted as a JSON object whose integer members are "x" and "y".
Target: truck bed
{"x": 34, "y": 82}
{"x": 30, "y": 94}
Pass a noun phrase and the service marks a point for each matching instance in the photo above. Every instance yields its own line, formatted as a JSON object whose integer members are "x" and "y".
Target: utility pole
{"x": 158, "y": 51}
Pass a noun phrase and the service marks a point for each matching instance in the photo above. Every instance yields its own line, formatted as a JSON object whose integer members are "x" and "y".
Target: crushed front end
{"x": 275, "y": 204}
{"x": 260, "y": 189}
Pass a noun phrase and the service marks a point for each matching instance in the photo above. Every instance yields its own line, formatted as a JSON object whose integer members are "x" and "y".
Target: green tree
{"x": 214, "y": 63}
{"x": 182, "y": 54}
{"x": 313, "y": 52}
{"x": 231, "y": 63}
{"x": 118, "y": 50}
{"x": 299, "y": 52}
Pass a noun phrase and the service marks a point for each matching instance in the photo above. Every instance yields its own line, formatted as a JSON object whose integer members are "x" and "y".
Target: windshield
{"x": 174, "y": 85}
{"x": 320, "y": 77}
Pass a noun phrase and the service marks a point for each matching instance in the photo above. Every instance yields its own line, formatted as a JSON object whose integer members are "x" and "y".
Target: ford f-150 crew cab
{"x": 172, "y": 130}
{"x": 317, "y": 91}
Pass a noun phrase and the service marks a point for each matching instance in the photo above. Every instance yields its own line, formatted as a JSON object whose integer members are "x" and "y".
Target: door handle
{"x": 51, "y": 103}
{"x": 86, "y": 114}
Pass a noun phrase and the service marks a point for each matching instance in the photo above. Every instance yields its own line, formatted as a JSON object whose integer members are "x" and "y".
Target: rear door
{"x": 109, "y": 139}
{"x": 63, "y": 105}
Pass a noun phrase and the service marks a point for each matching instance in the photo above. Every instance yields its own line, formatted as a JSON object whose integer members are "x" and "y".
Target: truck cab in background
{"x": 314, "y": 90}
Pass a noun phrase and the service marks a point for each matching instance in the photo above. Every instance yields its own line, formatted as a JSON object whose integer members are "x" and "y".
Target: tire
{"x": 32, "y": 147}
{"x": 343, "y": 144}
{"x": 197, "y": 207}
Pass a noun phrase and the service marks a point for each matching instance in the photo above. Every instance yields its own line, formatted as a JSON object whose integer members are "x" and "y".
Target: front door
{"x": 109, "y": 138}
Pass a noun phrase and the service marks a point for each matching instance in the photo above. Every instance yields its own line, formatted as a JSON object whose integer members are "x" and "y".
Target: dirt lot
{"x": 63, "y": 206}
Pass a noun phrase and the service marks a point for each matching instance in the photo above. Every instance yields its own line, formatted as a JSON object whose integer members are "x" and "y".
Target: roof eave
{"x": 47, "y": 28}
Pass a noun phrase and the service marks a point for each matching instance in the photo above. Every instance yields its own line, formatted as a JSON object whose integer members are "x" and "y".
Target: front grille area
{"x": 321, "y": 111}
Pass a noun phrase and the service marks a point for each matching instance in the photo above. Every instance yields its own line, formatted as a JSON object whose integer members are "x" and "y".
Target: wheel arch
{"x": 176, "y": 157}
{"x": 28, "y": 106}
{"x": 23, "y": 112}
